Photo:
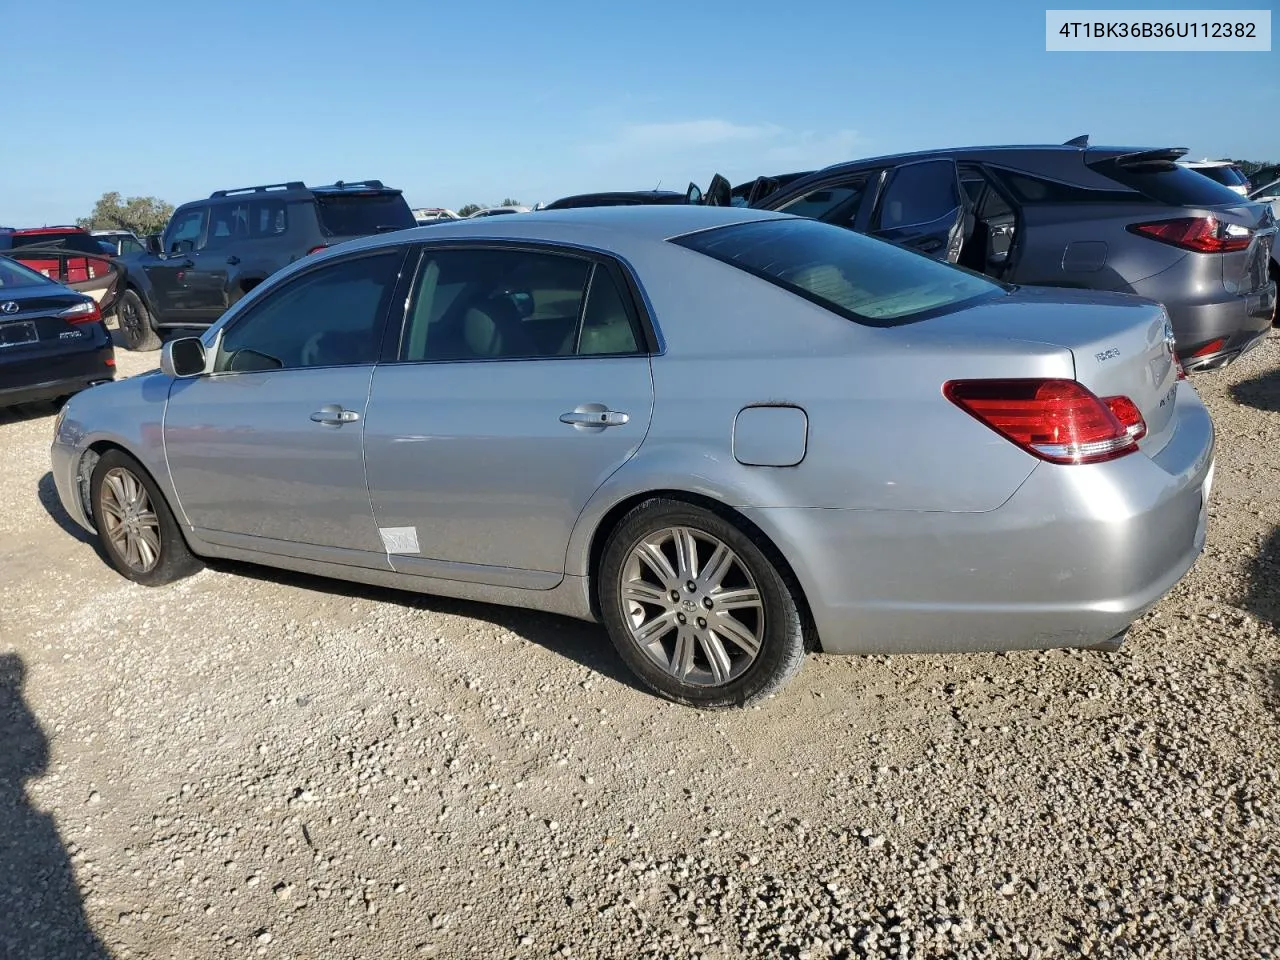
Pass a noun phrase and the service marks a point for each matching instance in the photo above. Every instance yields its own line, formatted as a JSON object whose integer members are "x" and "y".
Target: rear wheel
{"x": 696, "y": 608}
{"x": 134, "y": 321}
{"x": 136, "y": 528}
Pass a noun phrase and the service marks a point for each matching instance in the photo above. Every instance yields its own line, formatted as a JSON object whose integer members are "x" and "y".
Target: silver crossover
{"x": 730, "y": 435}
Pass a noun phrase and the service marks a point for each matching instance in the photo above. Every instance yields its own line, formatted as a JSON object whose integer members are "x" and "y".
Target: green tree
{"x": 142, "y": 215}
{"x": 510, "y": 203}
{"x": 469, "y": 209}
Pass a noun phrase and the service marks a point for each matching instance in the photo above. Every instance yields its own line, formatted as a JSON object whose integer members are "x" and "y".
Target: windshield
{"x": 358, "y": 216}
{"x": 866, "y": 280}
{"x": 15, "y": 275}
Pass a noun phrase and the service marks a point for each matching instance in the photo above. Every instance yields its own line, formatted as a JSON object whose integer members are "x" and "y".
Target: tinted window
{"x": 185, "y": 231}
{"x": 350, "y": 216}
{"x": 15, "y": 275}
{"x": 836, "y": 203}
{"x": 1167, "y": 182}
{"x": 866, "y": 280}
{"x": 79, "y": 242}
{"x": 1033, "y": 190}
{"x": 495, "y": 304}
{"x": 919, "y": 193}
{"x": 330, "y": 316}
{"x": 1227, "y": 176}
{"x": 246, "y": 220}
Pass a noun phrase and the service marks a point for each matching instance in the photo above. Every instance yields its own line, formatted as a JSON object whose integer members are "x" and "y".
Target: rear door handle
{"x": 332, "y": 415}
{"x": 233, "y": 260}
{"x": 595, "y": 418}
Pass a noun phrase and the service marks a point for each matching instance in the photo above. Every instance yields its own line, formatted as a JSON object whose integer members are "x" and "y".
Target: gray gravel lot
{"x": 252, "y": 763}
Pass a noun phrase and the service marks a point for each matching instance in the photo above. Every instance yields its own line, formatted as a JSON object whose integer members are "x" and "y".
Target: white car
{"x": 496, "y": 211}
{"x": 1224, "y": 172}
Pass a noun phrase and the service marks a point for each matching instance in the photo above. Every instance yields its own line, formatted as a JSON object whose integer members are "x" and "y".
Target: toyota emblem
{"x": 9, "y": 306}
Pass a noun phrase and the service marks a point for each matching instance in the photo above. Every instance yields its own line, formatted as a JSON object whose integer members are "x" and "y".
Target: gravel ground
{"x": 258, "y": 764}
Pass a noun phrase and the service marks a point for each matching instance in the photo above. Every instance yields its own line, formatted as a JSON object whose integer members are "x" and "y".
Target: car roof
{"x": 582, "y": 226}
{"x": 31, "y": 231}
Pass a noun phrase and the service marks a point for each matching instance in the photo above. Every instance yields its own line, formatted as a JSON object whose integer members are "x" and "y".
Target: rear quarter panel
{"x": 881, "y": 435}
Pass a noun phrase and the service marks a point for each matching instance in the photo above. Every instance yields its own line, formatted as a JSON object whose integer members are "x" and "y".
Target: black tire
{"x": 171, "y": 558}
{"x": 776, "y": 624}
{"x": 134, "y": 322}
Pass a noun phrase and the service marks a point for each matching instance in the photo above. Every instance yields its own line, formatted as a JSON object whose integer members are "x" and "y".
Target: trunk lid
{"x": 1123, "y": 346}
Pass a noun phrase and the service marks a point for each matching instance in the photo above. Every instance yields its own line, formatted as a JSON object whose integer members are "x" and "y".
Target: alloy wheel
{"x": 692, "y": 605}
{"x": 130, "y": 520}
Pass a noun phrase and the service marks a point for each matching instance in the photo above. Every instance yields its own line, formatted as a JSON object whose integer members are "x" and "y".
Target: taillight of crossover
{"x": 1061, "y": 421}
{"x": 323, "y": 246}
{"x": 1200, "y": 234}
{"x": 86, "y": 312}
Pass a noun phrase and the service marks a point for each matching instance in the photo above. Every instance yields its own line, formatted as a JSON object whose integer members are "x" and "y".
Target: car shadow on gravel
{"x": 1261, "y": 392}
{"x": 28, "y": 411}
{"x": 1263, "y": 601}
{"x": 584, "y": 643}
{"x": 39, "y": 900}
{"x": 52, "y": 504}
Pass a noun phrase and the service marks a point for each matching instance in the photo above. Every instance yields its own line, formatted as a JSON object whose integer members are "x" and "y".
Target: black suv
{"x": 1131, "y": 220}
{"x": 215, "y": 251}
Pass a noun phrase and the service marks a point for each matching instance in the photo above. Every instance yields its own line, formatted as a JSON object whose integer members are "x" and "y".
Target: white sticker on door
{"x": 399, "y": 539}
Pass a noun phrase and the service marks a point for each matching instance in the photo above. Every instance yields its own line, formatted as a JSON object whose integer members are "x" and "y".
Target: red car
{"x": 68, "y": 255}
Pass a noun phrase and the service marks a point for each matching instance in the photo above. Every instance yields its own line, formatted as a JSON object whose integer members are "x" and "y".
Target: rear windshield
{"x": 79, "y": 242}
{"x": 869, "y": 281}
{"x": 15, "y": 275}
{"x": 1168, "y": 182}
{"x": 358, "y": 216}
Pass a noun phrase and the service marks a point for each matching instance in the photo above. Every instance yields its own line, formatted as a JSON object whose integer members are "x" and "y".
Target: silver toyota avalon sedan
{"x": 730, "y": 435}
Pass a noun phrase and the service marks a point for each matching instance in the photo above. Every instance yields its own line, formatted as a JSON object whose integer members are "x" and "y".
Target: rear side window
{"x": 359, "y": 215}
{"x": 866, "y": 280}
{"x": 1167, "y": 182}
{"x": 15, "y": 275}
{"x": 919, "y": 193}
{"x": 1036, "y": 190}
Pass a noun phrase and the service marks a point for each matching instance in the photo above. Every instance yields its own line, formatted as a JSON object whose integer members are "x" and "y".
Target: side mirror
{"x": 183, "y": 358}
{"x": 693, "y": 195}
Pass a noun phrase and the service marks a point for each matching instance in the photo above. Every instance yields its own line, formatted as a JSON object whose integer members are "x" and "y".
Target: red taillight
{"x": 111, "y": 361}
{"x": 1130, "y": 417}
{"x": 1061, "y": 421}
{"x": 1200, "y": 234}
{"x": 86, "y": 312}
{"x": 323, "y": 246}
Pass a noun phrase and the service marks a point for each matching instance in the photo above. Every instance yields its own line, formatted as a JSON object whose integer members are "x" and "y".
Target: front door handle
{"x": 233, "y": 260}
{"x": 332, "y": 415}
{"x": 595, "y": 418}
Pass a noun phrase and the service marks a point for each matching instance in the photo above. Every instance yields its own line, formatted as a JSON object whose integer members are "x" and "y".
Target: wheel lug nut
{"x": 706, "y": 602}
{"x": 681, "y": 618}
{"x": 675, "y": 596}
{"x": 691, "y": 587}
{"x": 702, "y": 624}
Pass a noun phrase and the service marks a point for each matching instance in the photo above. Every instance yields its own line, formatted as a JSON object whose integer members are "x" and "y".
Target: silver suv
{"x": 1072, "y": 215}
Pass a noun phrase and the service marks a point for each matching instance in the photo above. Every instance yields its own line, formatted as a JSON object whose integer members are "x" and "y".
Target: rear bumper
{"x": 1070, "y": 560}
{"x": 1239, "y": 323}
{"x": 51, "y": 376}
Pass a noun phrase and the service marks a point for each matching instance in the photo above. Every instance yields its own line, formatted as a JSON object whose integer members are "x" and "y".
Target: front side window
{"x": 331, "y": 316}
{"x": 869, "y": 281}
{"x": 186, "y": 231}
{"x": 835, "y": 203}
{"x": 484, "y": 304}
{"x": 919, "y": 193}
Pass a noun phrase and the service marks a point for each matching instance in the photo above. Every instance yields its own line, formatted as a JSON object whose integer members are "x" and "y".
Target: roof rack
{"x": 354, "y": 185}
{"x": 291, "y": 185}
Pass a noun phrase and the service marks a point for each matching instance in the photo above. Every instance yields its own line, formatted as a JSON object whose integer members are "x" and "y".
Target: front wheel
{"x": 696, "y": 608}
{"x": 134, "y": 321}
{"x": 136, "y": 528}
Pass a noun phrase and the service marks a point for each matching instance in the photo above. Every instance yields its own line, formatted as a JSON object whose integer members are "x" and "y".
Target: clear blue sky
{"x": 475, "y": 101}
